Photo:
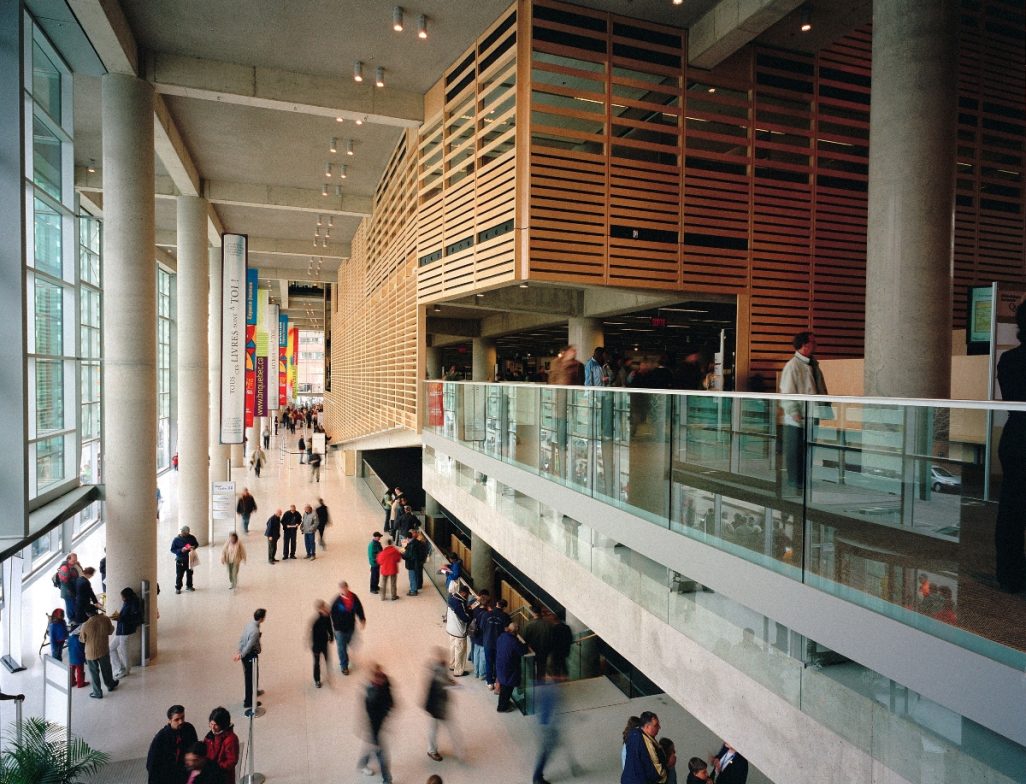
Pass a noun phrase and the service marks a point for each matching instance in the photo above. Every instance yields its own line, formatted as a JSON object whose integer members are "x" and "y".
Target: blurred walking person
{"x": 437, "y": 705}
{"x": 321, "y": 636}
{"x": 378, "y": 703}
{"x": 233, "y": 555}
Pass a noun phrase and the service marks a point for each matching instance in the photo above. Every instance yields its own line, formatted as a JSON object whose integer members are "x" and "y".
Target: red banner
{"x": 436, "y": 412}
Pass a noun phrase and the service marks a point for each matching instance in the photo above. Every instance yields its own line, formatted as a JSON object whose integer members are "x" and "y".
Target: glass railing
{"x": 889, "y": 505}
{"x": 937, "y": 743}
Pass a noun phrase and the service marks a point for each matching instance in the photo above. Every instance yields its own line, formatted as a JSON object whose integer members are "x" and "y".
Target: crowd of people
{"x": 646, "y": 758}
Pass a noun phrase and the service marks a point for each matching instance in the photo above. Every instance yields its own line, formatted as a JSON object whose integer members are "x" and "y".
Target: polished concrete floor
{"x": 309, "y": 734}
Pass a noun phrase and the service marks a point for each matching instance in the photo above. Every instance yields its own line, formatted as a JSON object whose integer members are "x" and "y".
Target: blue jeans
{"x": 480, "y": 666}
{"x": 379, "y": 751}
{"x": 342, "y": 640}
{"x": 414, "y": 583}
{"x": 310, "y": 543}
{"x": 245, "y": 523}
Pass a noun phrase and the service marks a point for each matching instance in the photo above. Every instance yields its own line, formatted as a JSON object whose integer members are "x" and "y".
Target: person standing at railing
{"x": 478, "y": 613}
{"x": 508, "y": 652}
{"x": 538, "y": 635}
{"x": 800, "y": 376}
{"x": 561, "y": 638}
{"x": 373, "y": 549}
{"x": 494, "y": 624}
{"x": 1011, "y": 516}
{"x": 457, "y": 624}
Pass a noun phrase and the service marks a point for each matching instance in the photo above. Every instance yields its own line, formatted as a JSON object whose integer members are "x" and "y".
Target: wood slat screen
{"x": 467, "y": 172}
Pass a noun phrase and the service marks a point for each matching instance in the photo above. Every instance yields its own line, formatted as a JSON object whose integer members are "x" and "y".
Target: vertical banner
{"x": 272, "y": 359}
{"x": 233, "y": 337}
{"x": 260, "y": 404}
{"x": 252, "y": 284}
{"x": 293, "y": 350}
{"x": 283, "y": 360}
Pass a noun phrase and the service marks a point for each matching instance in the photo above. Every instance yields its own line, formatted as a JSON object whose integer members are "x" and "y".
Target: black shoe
{"x": 178, "y": 590}
{"x": 112, "y": 688}
{"x": 190, "y": 588}
{"x": 248, "y": 712}
{"x": 317, "y": 684}
{"x": 273, "y": 562}
{"x": 96, "y": 696}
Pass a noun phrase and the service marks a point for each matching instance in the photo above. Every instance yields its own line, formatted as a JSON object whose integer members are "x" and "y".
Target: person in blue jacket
{"x": 494, "y": 624}
{"x": 508, "y": 651}
{"x": 643, "y": 761}
{"x": 58, "y": 631}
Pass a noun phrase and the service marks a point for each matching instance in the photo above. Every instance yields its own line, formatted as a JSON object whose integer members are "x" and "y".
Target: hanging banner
{"x": 283, "y": 360}
{"x": 260, "y": 403}
{"x": 293, "y": 353}
{"x": 271, "y": 327}
{"x": 233, "y": 336}
{"x": 252, "y": 282}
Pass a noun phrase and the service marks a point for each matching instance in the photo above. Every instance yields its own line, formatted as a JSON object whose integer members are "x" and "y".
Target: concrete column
{"x": 433, "y": 362}
{"x": 912, "y": 139}
{"x": 482, "y": 565}
{"x": 130, "y": 338}
{"x": 431, "y": 507}
{"x": 238, "y": 456}
{"x": 220, "y": 453}
{"x": 193, "y": 371}
{"x": 482, "y": 360}
{"x": 585, "y": 334}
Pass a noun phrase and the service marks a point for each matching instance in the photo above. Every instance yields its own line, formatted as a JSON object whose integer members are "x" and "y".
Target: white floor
{"x": 309, "y": 734}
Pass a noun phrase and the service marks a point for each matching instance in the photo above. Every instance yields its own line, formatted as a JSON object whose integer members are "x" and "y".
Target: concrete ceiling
{"x": 236, "y": 145}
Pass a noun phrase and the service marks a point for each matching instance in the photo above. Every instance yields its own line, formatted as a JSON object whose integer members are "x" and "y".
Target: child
{"x": 58, "y": 631}
{"x": 76, "y": 658}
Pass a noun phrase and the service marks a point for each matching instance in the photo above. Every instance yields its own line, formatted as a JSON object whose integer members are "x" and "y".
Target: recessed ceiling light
{"x": 422, "y": 26}
{"x": 333, "y": 147}
{"x": 397, "y": 19}
{"x": 379, "y": 76}
{"x": 358, "y": 71}
{"x": 91, "y": 168}
{"x": 327, "y": 169}
{"x": 324, "y": 190}
{"x": 523, "y": 285}
{"x": 806, "y": 18}
{"x": 349, "y": 146}
{"x": 338, "y": 119}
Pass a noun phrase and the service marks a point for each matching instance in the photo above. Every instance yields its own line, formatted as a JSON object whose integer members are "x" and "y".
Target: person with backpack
{"x": 129, "y": 618}
{"x": 67, "y": 573}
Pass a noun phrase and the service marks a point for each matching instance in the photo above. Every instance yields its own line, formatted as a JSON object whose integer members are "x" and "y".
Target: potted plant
{"x": 45, "y": 756}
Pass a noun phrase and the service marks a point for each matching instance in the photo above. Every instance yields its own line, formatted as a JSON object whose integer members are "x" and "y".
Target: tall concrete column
{"x": 912, "y": 141}
{"x": 482, "y": 564}
{"x": 238, "y": 456}
{"x": 482, "y": 360}
{"x": 585, "y": 334}
{"x": 220, "y": 453}
{"x": 130, "y": 338}
{"x": 433, "y": 362}
{"x": 193, "y": 372}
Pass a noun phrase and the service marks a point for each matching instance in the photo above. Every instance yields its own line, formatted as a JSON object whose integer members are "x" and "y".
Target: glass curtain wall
{"x": 89, "y": 342}
{"x": 51, "y": 270}
{"x": 165, "y": 327}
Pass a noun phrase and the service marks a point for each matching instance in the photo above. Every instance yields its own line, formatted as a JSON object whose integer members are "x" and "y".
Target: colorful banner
{"x": 252, "y": 283}
{"x": 233, "y": 335}
{"x": 436, "y": 412}
{"x": 283, "y": 360}
{"x": 263, "y": 390}
{"x": 293, "y": 356}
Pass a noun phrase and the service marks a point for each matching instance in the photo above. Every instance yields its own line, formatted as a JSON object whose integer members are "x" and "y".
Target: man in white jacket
{"x": 800, "y": 376}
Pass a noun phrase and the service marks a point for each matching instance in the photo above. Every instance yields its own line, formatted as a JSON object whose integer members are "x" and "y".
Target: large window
{"x": 165, "y": 323}
{"x": 89, "y": 321}
{"x": 51, "y": 277}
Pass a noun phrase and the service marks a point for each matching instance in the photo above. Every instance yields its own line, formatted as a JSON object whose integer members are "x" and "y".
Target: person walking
{"x": 373, "y": 550}
{"x": 508, "y": 651}
{"x": 320, "y": 638}
{"x": 249, "y": 650}
{"x": 478, "y": 613}
{"x": 290, "y": 522}
{"x": 323, "y": 520}
{"x": 233, "y": 555}
{"x": 165, "y": 760}
{"x": 246, "y": 506}
{"x": 398, "y": 502}
{"x": 222, "y": 744}
{"x": 388, "y": 560}
{"x": 436, "y": 703}
{"x": 378, "y": 703}
{"x": 309, "y": 525}
{"x": 547, "y": 709}
{"x": 267, "y": 437}
{"x": 129, "y": 618}
{"x": 184, "y": 548}
{"x": 314, "y": 459}
{"x": 457, "y": 623}
{"x": 273, "y": 533}
{"x": 95, "y": 636}
{"x": 257, "y": 459}
{"x": 302, "y": 450}
{"x": 345, "y": 611}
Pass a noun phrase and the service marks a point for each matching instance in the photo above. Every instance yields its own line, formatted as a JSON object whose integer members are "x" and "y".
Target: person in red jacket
{"x": 388, "y": 560}
{"x": 222, "y": 744}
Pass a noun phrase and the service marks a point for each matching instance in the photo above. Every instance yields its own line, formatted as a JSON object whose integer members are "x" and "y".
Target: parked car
{"x": 943, "y": 481}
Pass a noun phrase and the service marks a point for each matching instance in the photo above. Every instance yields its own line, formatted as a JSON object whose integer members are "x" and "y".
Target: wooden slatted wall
{"x": 374, "y": 326}
{"x": 990, "y": 232}
{"x": 467, "y": 172}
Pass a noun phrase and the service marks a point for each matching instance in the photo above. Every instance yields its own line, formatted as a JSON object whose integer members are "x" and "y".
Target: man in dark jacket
{"x": 345, "y": 611}
{"x": 407, "y": 522}
{"x": 165, "y": 761}
{"x": 643, "y": 761}
{"x": 494, "y": 623}
{"x": 182, "y": 546}
{"x": 538, "y": 635}
{"x": 437, "y": 704}
{"x": 273, "y": 533}
{"x": 246, "y": 507}
{"x": 561, "y": 638}
{"x": 413, "y": 557}
{"x": 373, "y": 549}
{"x": 199, "y": 769}
{"x": 730, "y": 767}
{"x": 508, "y": 651}
{"x": 85, "y": 597}
{"x": 320, "y": 637}
{"x": 378, "y": 703}
{"x": 290, "y": 522}
{"x": 322, "y": 520}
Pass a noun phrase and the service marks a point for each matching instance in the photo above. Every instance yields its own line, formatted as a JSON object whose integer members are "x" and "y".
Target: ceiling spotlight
{"x": 358, "y": 71}
{"x": 331, "y": 222}
{"x": 523, "y": 285}
{"x": 678, "y": 2}
{"x": 379, "y": 76}
{"x": 806, "y": 18}
{"x": 359, "y": 120}
{"x": 324, "y": 190}
{"x": 479, "y": 295}
{"x": 422, "y": 26}
{"x": 338, "y": 119}
{"x": 333, "y": 147}
{"x": 319, "y": 221}
{"x": 438, "y": 308}
{"x": 397, "y": 19}
{"x": 91, "y": 168}
{"x": 712, "y": 89}
{"x": 343, "y": 171}
{"x": 338, "y": 191}
{"x": 324, "y": 242}
{"x": 349, "y": 146}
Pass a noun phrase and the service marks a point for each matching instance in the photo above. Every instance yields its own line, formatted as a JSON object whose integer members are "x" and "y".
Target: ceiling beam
{"x": 237, "y": 194}
{"x": 470, "y": 328}
{"x": 269, "y": 246}
{"x": 535, "y": 299}
{"x": 284, "y": 274}
{"x": 270, "y": 88}
{"x": 730, "y": 25}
